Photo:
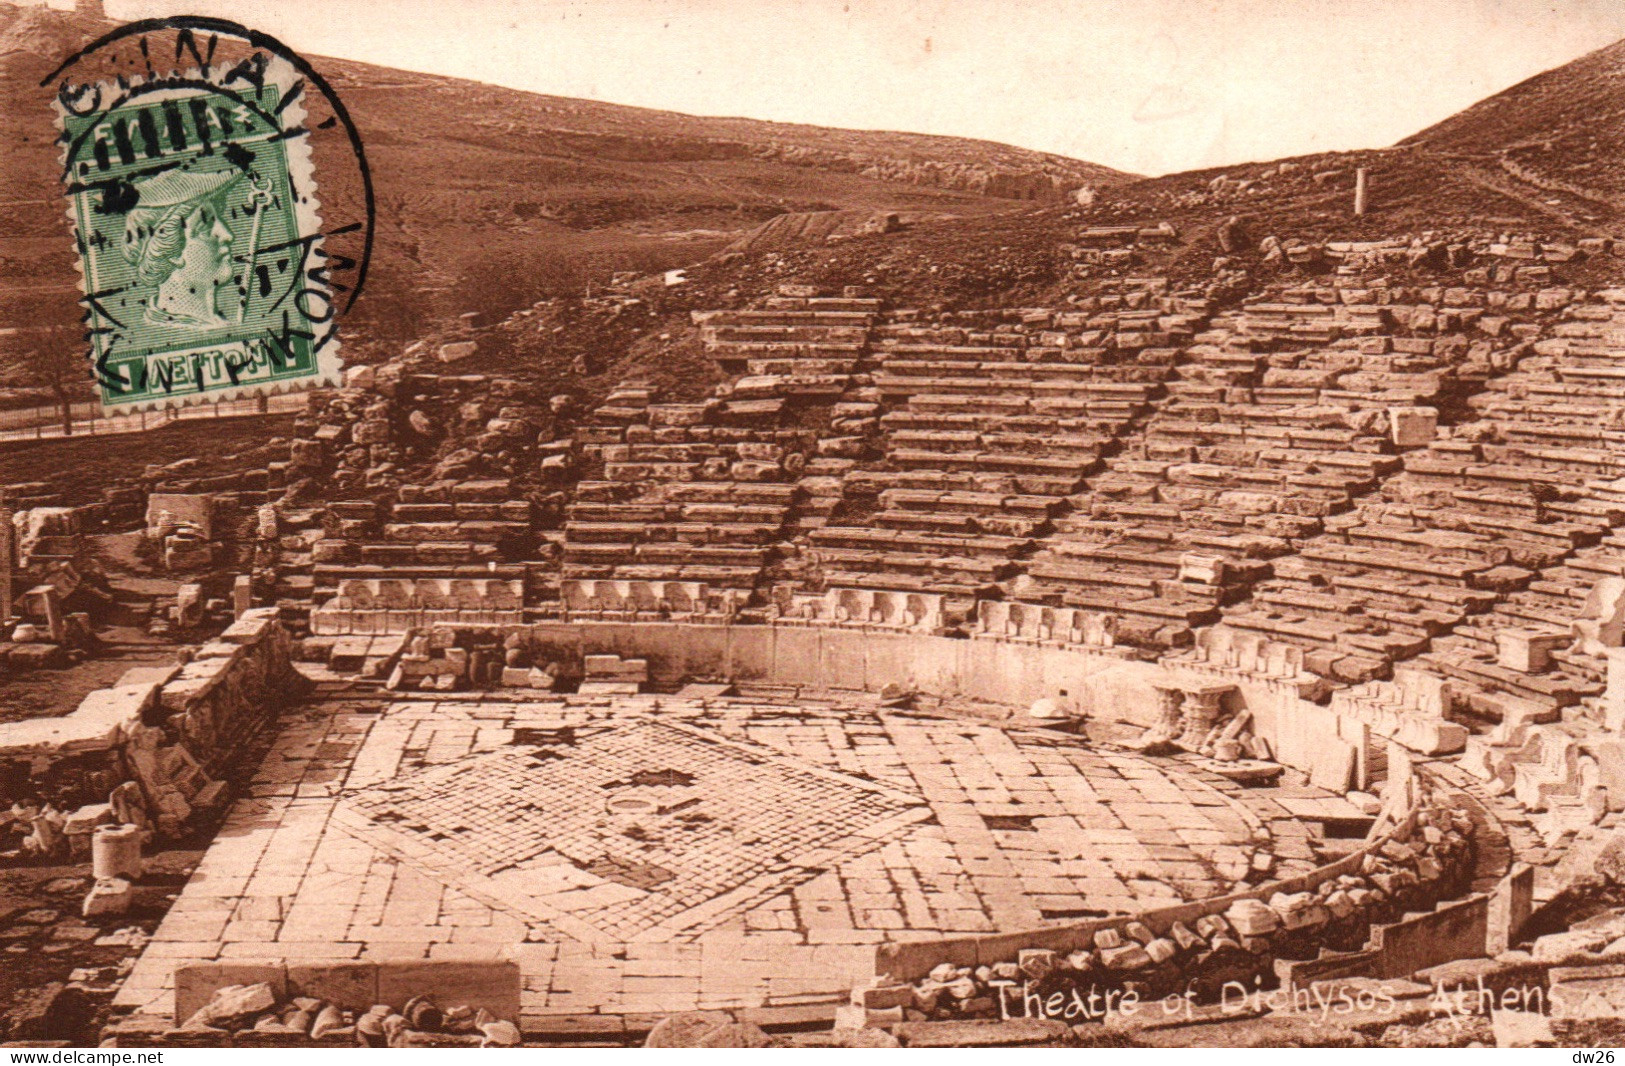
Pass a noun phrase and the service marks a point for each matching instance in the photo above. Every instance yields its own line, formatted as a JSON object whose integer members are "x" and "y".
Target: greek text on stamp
{"x": 195, "y": 218}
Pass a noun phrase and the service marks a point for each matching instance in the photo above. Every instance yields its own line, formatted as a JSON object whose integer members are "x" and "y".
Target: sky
{"x": 1147, "y": 86}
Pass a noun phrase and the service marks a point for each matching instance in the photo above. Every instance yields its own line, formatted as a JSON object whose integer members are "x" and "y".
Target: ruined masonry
{"x": 1268, "y": 631}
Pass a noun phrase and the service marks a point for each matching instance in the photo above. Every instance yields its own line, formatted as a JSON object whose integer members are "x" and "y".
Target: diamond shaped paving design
{"x": 611, "y": 831}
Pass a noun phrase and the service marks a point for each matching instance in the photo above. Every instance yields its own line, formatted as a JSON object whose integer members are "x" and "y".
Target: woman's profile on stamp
{"x": 177, "y": 239}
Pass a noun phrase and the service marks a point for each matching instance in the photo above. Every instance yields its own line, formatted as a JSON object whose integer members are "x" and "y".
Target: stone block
{"x": 350, "y": 985}
{"x": 109, "y": 896}
{"x": 1129, "y": 956}
{"x": 1250, "y": 917}
{"x": 1609, "y": 755}
{"x": 1429, "y": 736}
{"x": 1161, "y": 950}
{"x": 1183, "y": 937}
{"x": 1588, "y": 991}
{"x": 1201, "y": 569}
{"x": 452, "y": 983}
{"x": 51, "y": 1011}
{"x": 189, "y": 605}
{"x": 1527, "y": 651}
{"x": 1036, "y": 963}
{"x": 883, "y": 998}
{"x": 85, "y": 820}
{"x": 196, "y": 983}
{"x": 1412, "y": 427}
{"x": 516, "y": 677}
{"x": 1613, "y": 697}
{"x": 1017, "y": 1032}
{"x": 167, "y": 510}
{"x": 1333, "y": 766}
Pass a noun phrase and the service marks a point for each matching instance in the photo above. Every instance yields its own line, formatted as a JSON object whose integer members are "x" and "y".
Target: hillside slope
{"x": 491, "y": 198}
{"x": 1565, "y": 127}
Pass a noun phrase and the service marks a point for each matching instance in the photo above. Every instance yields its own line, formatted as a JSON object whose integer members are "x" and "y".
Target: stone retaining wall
{"x": 1393, "y": 866}
{"x": 1334, "y": 749}
{"x": 171, "y": 730}
{"x": 232, "y": 686}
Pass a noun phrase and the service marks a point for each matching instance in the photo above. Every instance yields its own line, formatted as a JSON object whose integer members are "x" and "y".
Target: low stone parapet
{"x": 250, "y": 1004}
{"x": 636, "y": 600}
{"x": 1410, "y": 709}
{"x": 164, "y": 733}
{"x": 920, "y": 612}
{"x": 1358, "y": 901}
{"x": 1038, "y": 624}
{"x": 1224, "y": 652}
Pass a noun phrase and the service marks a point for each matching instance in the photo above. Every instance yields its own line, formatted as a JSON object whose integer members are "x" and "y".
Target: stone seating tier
{"x": 717, "y": 512}
{"x": 1378, "y": 603}
{"x": 477, "y": 532}
{"x": 797, "y": 316}
{"x": 966, "y": 586}
{"x": 1031, "y": 623}
{"x": 719, "y": 575}
{"x": 1411, "y": 710}
{"x": 1561, "y": 675}
{"x": 876, "y": 539}
{"x": 818, "y": 327}
{"x": 508, "y": 511}
{"x": 1485, "y": 683}
{"x": 612, "y": 553}
{"x": 1019, "y": 376}
{"x": 863, "y": 608}
{"x": 1545, "y": 769}
{"x": 328, "y": 621}
{"x": 742, "y": 531}
{"x": 425, "y": 553}
{"x": 822, "y": 303}
{"x": 405, "y": 593}
{"x": 637, "y": 600}
{"x": 1014, "y": 422}
{"x": 1027, "y": 382}
{"x": 955, "y": 523}
{"x": 1038, "y": 445}
{"x": 724, "y": 493}
{"x": 995, "y": 461}
{"x": 958, "y": 568}
{"x": 799, "y": 366}
{"x": 1163, "y": 597}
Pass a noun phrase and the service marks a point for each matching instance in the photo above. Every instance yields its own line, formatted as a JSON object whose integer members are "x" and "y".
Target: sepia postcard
{"x": 843, "y": 524}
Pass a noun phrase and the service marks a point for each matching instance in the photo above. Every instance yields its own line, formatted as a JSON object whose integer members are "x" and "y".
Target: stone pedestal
{"x": 1203, "y": 709}
{"x": 1200, "y": 569}
{"x": 1170, "y": 713}
{"x": 1412, "y": 427}
{"x": 189, "y": 605}
{"x": 115, "y": 851}
{"x": 8, "y": 562}
{"x": 50, "y": 602}
{"x": 1526, "y": 651}
{"x": 242, "y": 595}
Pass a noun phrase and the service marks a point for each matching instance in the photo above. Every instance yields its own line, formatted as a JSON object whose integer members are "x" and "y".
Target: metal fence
{"x": 90, "y": 420}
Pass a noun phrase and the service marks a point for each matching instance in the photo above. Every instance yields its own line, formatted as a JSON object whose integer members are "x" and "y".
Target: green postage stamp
{"x": 194, "y": 212}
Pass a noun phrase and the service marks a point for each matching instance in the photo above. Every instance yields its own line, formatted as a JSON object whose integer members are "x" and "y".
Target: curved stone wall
{"x": 1082, "y": 681}
{"x": 1423, "y": 859}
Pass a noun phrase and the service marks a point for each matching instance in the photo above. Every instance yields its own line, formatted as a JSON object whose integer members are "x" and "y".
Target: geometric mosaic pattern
{"x": 661, "y": 824}
{"x": 825, "y": 826}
